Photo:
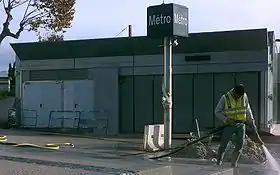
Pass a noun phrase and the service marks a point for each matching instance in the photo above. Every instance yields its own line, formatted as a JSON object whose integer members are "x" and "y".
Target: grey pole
{"x": 167, "y": 92}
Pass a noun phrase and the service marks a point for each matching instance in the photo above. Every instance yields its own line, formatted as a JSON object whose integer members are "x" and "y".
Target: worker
{"x": 234, "y": 111}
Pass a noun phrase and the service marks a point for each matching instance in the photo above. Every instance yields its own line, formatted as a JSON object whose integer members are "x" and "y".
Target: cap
{"x": 239, "y": 89}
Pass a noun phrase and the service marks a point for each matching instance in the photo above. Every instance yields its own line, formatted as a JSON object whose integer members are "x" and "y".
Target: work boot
{"x": 219, "y": 163}
{"x": 234, "y": 165}
{"x": 234, "y": 158}
{"x": 220, "y": 158}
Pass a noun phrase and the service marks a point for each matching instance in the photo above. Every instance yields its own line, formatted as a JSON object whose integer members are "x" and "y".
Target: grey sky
{"x": 106, "y": 18}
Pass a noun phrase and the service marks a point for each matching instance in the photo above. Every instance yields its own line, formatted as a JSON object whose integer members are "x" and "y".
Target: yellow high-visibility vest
{"x": 235, "y": 110}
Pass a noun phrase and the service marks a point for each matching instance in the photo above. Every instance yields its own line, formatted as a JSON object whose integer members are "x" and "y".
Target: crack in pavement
{"x": 115, "y": 171}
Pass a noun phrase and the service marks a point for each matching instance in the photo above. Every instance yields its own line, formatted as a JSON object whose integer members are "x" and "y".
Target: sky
{"x": 106, "y": 18}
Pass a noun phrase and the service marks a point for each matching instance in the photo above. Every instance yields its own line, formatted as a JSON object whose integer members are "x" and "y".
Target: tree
{"x": 51, "y": 37}
{"x": 12, "y": 77}
{"x": 50, "y": 15}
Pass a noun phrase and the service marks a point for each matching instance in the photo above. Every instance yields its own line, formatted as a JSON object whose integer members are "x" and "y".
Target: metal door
{"x": 223, "y": 82}
{"x": 51, "y": 101}
{"x": 83, "y": 102}
{"x": 83, "y": 97}
{"x": 251, "y": 84}
{"x": 143, "y": 94}
{"x": 157, "y": 100}
{"x": 183, "y": 103}
{"x": 30, "y": 104}
{"x": 70, "y": 117}
{"x": 126, "y": 105}
{"x": 203, "y": 100}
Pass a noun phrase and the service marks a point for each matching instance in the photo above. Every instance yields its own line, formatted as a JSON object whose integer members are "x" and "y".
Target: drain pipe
{"x": 277, "y": 97}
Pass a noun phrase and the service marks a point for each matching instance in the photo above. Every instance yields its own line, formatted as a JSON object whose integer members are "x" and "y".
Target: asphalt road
{"x": 21, "y": 168}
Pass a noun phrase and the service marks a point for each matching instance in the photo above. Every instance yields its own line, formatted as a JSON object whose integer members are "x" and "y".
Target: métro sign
{"x": 167, "y": 20}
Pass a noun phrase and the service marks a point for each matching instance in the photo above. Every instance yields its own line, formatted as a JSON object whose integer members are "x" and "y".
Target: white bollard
{"x": 153, "y": 137}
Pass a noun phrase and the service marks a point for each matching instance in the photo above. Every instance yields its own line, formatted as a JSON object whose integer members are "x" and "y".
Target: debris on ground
{"x": 199, "y": 150}
{"x": 252, "y": 152}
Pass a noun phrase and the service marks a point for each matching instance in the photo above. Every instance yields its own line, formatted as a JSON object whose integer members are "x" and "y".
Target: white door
{"x": 51, "y": 103}
{"x": 70, "y": 115}
{"x": 78, "y": 102}
{"x": 30, "y": 104}
{"x": 83, "y": 98}
{"x": 40, "y": 98}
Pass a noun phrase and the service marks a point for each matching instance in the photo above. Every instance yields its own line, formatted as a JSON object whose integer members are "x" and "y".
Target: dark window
{"x": 197, "y": 58}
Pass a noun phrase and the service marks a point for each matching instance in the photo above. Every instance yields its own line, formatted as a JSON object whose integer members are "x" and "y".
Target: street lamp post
{"x": 167, "y": 92}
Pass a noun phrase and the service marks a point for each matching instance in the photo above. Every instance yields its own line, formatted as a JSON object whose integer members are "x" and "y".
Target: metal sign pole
{"x": 167, "y": 21}
{"x": 167, "y": 92}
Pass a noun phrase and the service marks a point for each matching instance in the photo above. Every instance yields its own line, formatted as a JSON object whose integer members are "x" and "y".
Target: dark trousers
{"x": 239, "y": 130}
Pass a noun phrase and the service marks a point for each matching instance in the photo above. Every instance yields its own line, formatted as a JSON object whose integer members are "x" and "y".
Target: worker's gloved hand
{"x": 224, "y": 120}
{"x": 229, "y": 121}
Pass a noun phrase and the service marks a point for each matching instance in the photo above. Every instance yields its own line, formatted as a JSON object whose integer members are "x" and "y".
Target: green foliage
{"x": 53, "y": 16}
{"x": 52, "y": 37}
{"x": 5, "y": 95}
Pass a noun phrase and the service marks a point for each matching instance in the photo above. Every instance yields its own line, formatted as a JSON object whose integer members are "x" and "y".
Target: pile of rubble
{"x": 198, "y": 150}
{"x": 252, "y": 152}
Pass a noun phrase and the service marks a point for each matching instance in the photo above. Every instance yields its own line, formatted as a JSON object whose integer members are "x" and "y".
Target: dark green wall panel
{"x": 251, "y": 83}
{"x": 182, "y": 103}
{"x": 158, "y": 109}
{"x": 223, "y": 82}
{"x": 143, "y": 102}
{"x": 126, "y": 105}
{"x": 60, "y": 74}
{"x": 192, "y": 96}
{"x": 203, "y": 101}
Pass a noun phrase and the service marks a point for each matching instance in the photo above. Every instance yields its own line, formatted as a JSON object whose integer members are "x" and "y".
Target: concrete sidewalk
{"x": 106, "y": 156}
{"x": 267, "y": 137}
{"x": 100, "y": 155}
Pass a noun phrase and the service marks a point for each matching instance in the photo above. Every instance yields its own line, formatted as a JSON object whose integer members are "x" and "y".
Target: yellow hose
{"x": 3, "y": 138}
{"x": 51, "y": 146}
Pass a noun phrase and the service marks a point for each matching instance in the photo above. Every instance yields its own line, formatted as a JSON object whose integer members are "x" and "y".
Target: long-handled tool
{"x": 260, "y": 142}
{"x": 178, "y": 149}
{"x": 213, "y": 132}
